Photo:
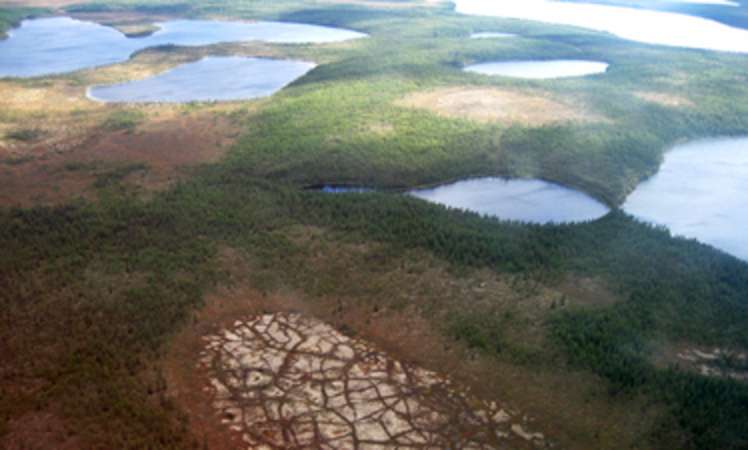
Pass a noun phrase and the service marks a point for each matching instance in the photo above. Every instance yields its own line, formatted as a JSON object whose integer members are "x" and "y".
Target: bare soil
{"x": 705, "y": 361}
{"x": 208, "y": 383}
{"x": 291, "y": 381}
{"x": 399, "y": 309}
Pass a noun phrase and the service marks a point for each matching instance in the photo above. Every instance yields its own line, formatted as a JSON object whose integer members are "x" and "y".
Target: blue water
{"x": 530, "y": 201}
{"x": 641, "y": 25}
{"x": 700, "y": 192}
{"x": 61, "y": 44}
{"x": 491, "y": 35}
{"x": 340, "y": 189}
{"x": 210, "y": 79}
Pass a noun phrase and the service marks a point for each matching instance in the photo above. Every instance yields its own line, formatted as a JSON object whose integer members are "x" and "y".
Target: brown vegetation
{"x": 37, "y": 431}
{"x": 401, "y": 307}
{"x": 164, "y": 147}
{"x": 193, "y": 383}
{"x": 55, "y": 142}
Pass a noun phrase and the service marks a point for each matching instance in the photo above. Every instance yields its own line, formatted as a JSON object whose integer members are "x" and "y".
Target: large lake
{"x": 210, "y": 79}
{"x": 531, "y": 201}
{"x": 560, "y": 68}
{"x": 701, "y": 192}
{"x": 61, "y": 44}
{"x": 653, "y": 27}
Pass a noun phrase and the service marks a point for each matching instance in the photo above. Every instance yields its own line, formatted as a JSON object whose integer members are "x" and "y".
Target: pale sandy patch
{"x": 499, "y": 105}
{"x": 664, "y": 99}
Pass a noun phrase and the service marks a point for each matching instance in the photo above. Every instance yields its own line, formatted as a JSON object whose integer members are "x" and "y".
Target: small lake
{"x": 538, "y": 70}
{"x": 342, "y": 189}
{"x": 700, "y": 192}
{"x": 641, "y": 25}
{"x": 61, "y": 44}
{"x": 530, "y": 201}
{"x": 210, "y": 79}
{"x": 491, "y": 35}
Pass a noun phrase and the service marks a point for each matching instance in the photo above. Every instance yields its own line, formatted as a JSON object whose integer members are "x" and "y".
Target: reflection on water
{"x": 341, "y": 189}
{"x": 540, "y": 69}
{"x": 213, "y": 78}
{"x": 61, "y": 44}
{"x": 653, "y": 27}
{"x": 700, "y": 192}
{"x": 711, "y": 2}
{"x": 532, "y": 201}
{"x": 491, "y": 35}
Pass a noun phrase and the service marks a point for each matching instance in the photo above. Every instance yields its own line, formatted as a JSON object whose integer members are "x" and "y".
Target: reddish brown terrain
{"x": 159, "y": 153}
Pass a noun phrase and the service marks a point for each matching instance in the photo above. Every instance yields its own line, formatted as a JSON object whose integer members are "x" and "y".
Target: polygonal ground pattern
{"x": 286, "y": 381}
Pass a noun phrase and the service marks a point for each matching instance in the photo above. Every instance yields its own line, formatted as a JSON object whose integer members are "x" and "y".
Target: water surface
{"x": 491, "y": 35}
{"x": 210, "y": 79}
{"x": 711, "y": 2}
{"x": 653, "y": 27}
{"x": 701, "y": 192}
{"x": 343, "y": 189}
{"x": 540, "y": 69}
{"x": 61, "y": 44}
{"x": 531, "y": 201}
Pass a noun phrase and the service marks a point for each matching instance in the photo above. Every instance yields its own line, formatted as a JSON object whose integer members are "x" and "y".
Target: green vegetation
{"x": 10, "y": 17}
{"x": 118, "y": 174}
{"x": 91, "y": 293}
{"x": 119, "y": 268}
{"x": 124, "y": 120}
{"x": 336, "y": 140}
{"x": 24, "y": 135}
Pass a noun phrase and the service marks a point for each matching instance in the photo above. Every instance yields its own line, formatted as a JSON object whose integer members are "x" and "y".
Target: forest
{"x": 91, "y": 291}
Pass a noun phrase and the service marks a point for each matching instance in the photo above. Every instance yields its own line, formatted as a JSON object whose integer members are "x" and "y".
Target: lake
{"x": 342, "y": 189}
{"x": 524, "y": 200}
{"x": 491, "y": 35}
{"x": 652, "y": 27}
{"x": 61, "y": 44}
{"x": 210, "y": 79}
{"x": 701, "y": 192}
{"x": 560, "y": 68}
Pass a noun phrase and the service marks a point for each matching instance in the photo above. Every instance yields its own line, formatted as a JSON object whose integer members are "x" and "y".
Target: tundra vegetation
{"x": 567, "y": 322}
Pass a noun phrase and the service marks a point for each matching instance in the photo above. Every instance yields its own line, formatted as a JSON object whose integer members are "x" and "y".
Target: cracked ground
{"x": 286, "y": 381}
